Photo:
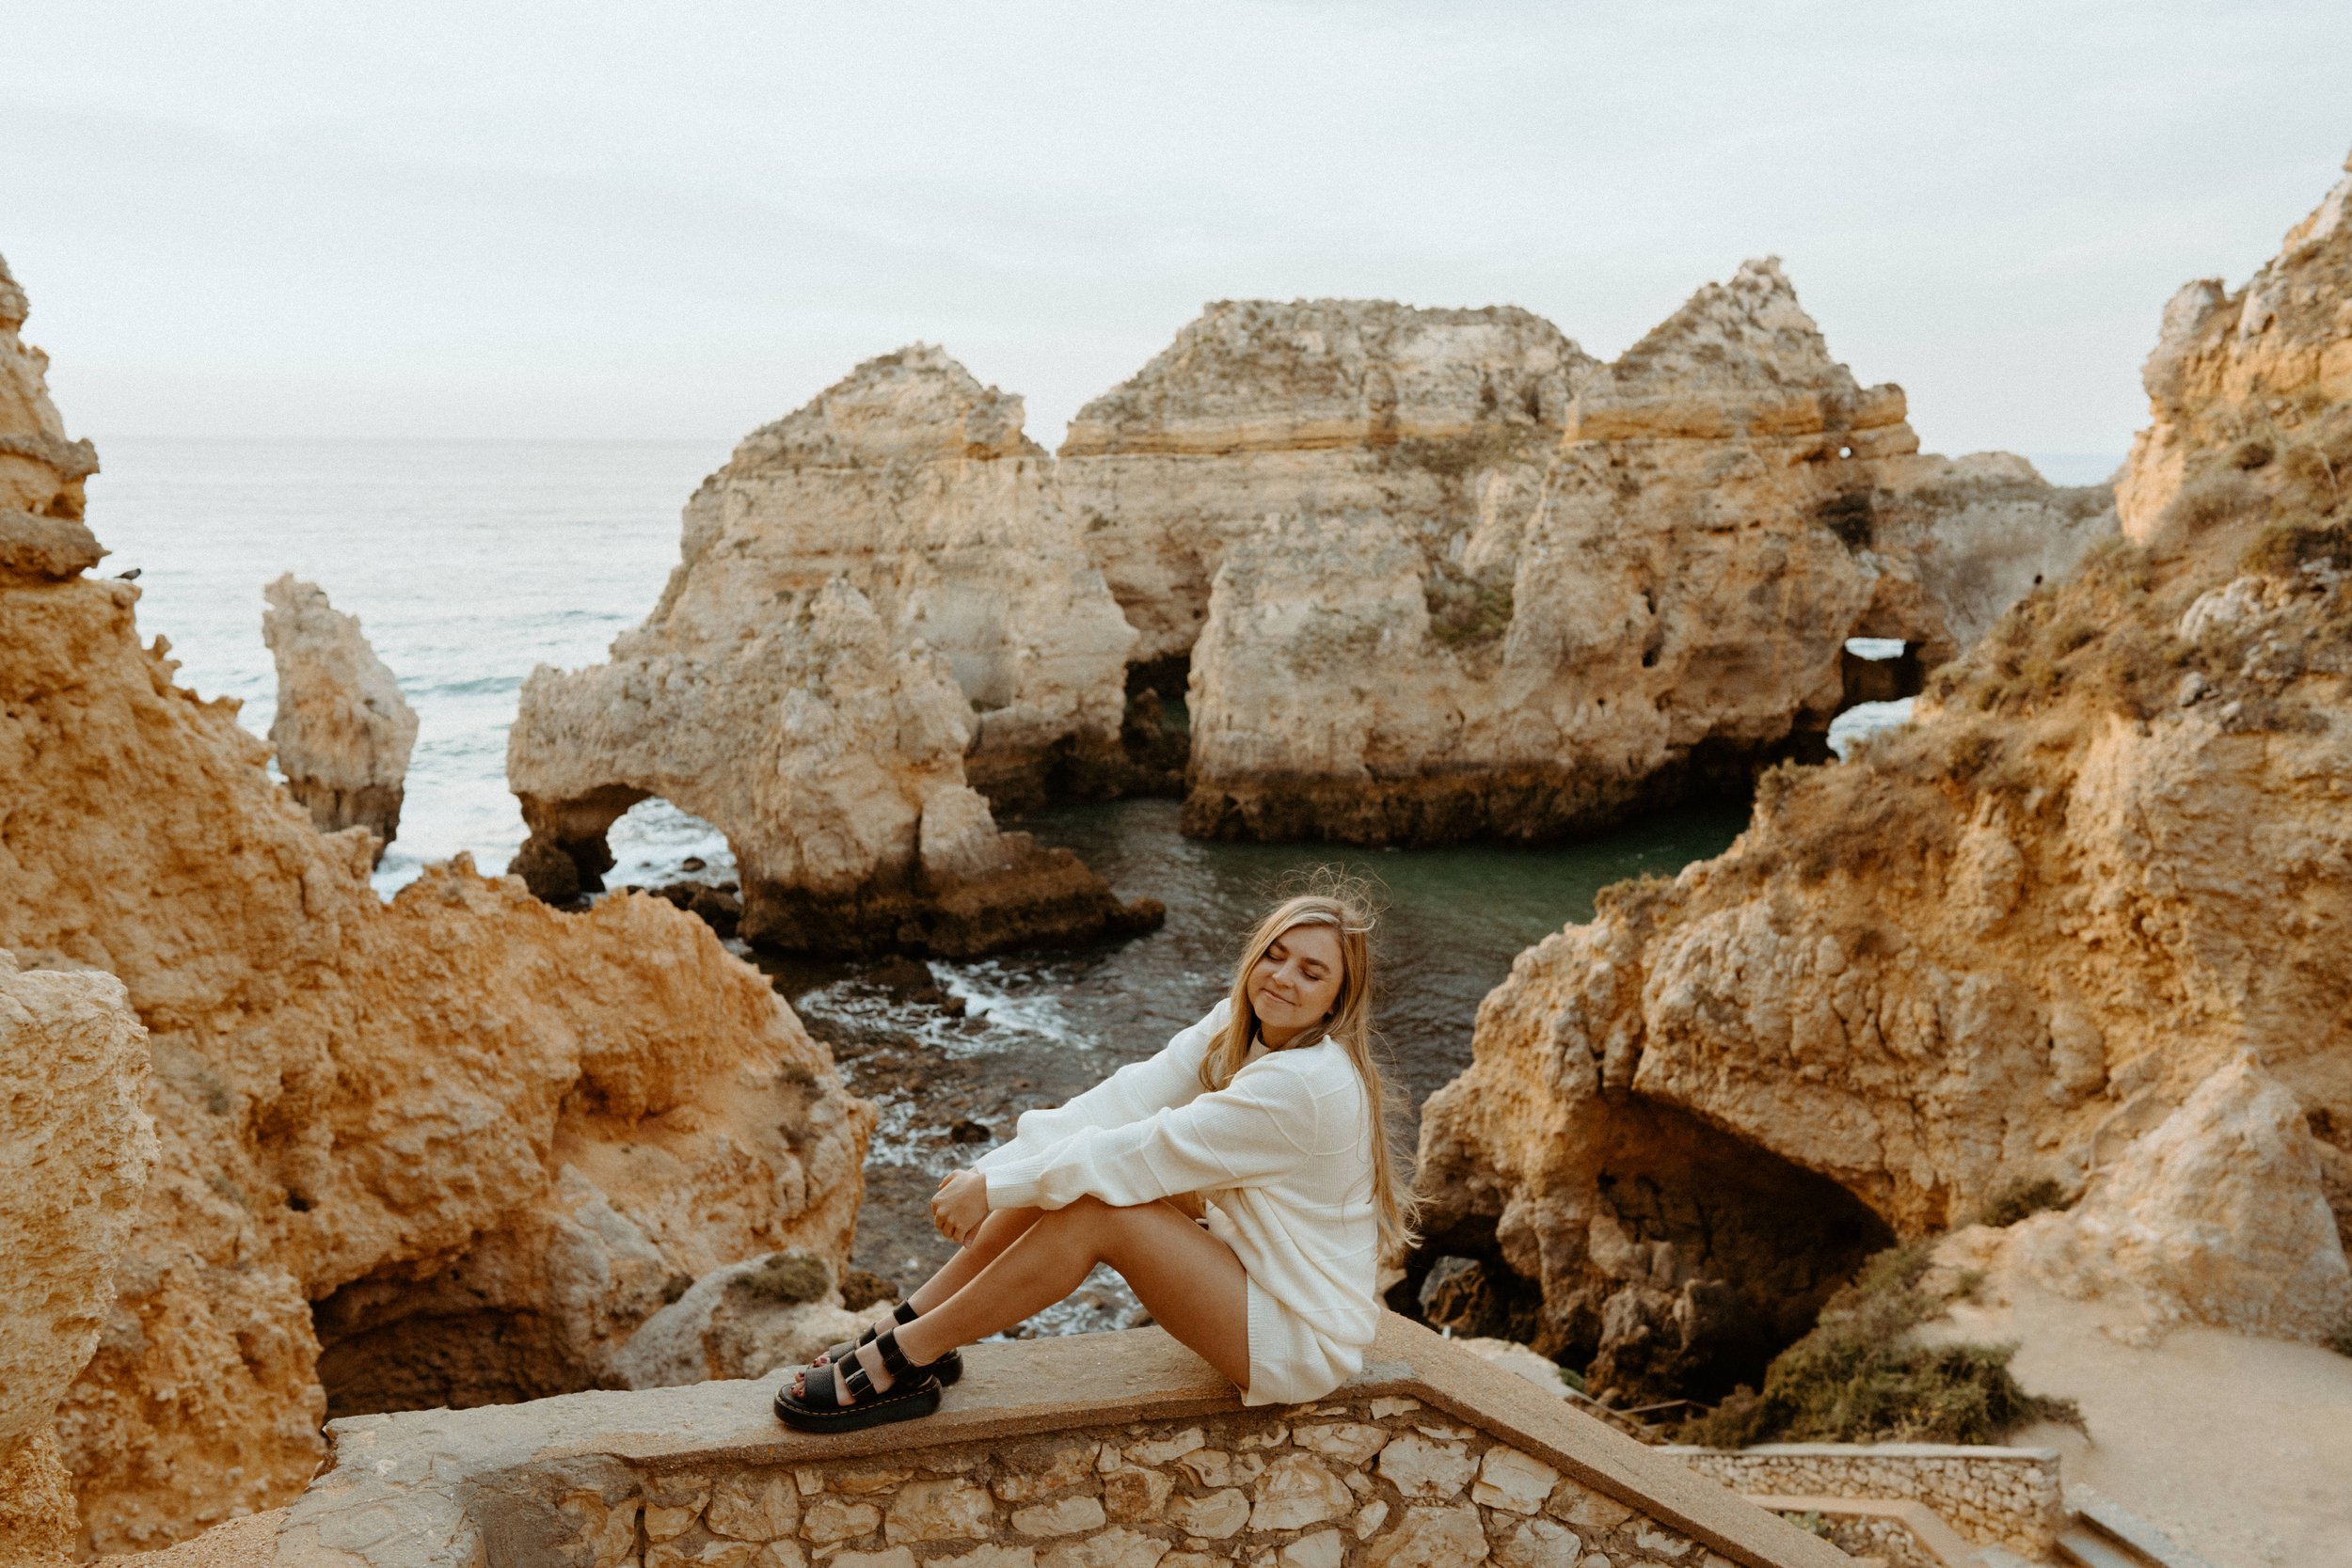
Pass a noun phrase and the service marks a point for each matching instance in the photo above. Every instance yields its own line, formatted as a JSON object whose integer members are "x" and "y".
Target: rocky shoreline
{"x": 2050, "y": 978}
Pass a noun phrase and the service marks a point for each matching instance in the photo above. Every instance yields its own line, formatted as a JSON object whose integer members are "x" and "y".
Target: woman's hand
{"x": 960, "y": 1205}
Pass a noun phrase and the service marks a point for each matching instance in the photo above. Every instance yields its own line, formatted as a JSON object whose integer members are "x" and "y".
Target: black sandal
{"x": 914, "y": 1391}
{"x": 947, "y": 1368}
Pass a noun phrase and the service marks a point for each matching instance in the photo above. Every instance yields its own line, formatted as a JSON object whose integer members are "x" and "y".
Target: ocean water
{"x": 467, "y": 562}
{"x": 470, "y": 562}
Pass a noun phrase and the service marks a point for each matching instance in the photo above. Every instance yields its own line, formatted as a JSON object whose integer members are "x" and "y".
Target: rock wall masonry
{"x": 1101, "y": 1452}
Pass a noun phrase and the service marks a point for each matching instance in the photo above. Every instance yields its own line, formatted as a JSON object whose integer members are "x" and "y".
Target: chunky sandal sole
{"x": 921, "y": 1400}
{"x": 915, "y": 1391}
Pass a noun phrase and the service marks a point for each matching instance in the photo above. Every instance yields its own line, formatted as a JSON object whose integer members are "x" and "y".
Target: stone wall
{"x": 1097, "y": 1451}
{"x": 1993, "y": 1497}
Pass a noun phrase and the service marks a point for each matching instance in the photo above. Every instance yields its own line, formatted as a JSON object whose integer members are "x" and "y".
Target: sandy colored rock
{"x": 41, "y": 469}
{"x": 2240, "y": 383}
{"x": 879, "y": 606}
{"x": 1724, "y": 507}
{"x": 343, "y": 731}
{"x": 1262, "y": 409}
{"x": 2219, "y": 1215}
{"x": 738, "y": 1321}
{"x": 476, "y": 1137}
{"x": 75, "y": 1148}
{"x": 2014, "y": 942}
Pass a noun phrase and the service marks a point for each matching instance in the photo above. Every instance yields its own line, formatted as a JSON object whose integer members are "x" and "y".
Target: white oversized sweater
{"x": 1283, "y": 1156}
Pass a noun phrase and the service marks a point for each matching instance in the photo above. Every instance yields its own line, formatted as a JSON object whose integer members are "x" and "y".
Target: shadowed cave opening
{"x": 1691, "y": 1260}
{"x": 389, "y": 1345}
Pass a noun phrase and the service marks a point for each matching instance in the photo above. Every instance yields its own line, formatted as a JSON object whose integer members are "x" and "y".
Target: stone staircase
{"x": 2103, "y": 1534}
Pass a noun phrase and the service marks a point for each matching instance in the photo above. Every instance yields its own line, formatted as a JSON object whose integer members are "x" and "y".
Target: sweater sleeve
{"x": 1132, "y": 1093}
{"x": 1263, "y": 1125}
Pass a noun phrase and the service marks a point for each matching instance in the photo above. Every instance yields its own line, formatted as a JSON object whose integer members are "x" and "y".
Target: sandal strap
{"x": 904, "y": 1312}
{"x": 894, "y": 1359}
{"x": 819, "y": 1386}
{"x": 861, "y": 1387}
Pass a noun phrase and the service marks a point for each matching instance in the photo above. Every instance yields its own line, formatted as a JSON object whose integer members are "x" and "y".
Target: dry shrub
{"x": 2016, "y": 1199}
{"x": 786, "y": 1277}
{"x": 1861, "y": 1377}
{"x": 2252, "y": 452}
{"x": 1467, "y": 613}
{"x": 2310, "y": 467}
{"x": 2282, "y": 550}
{"x": 2217, "y": 499}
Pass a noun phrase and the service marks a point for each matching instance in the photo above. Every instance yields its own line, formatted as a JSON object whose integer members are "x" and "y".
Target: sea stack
{"x": 343, "y": 731}
{"x": 882, "y": 621}
{"x": 2078, "y": 932}
{"x": 1722, "y": 508}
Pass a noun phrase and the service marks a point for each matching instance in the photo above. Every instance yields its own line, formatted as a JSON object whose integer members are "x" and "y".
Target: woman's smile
{"x": 1294, "y": 982}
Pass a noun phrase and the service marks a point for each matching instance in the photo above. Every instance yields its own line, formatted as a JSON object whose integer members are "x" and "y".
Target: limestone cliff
{"x": 343, "y": 731}
{"x": 75, "y": 1152}
{"x": 2253, "y": 374}
{"x": 2082, "y": 927}
{"x": 1726, "y": 507}
{"x": 1436, "y": 420}
{"x": 447, "y": 1149}
{"x": 879, "y": 606}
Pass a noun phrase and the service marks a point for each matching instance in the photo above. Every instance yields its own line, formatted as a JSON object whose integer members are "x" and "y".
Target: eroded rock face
{"x": 1436, "y": 420}
{"x": 2219, "y": 1215}
{"x": 741, "y": 1321}
{"x": 879, "y": 608}
{"x": 41, "y": 471}
{"x": 2082, "y": 924}
{"x": 481, "y": 1135}
{"x": 2240, "y": 385}
{"x": 74, "y": 1151}
{"x": 343, "y": 731}
{"x": 1725, "y": 508}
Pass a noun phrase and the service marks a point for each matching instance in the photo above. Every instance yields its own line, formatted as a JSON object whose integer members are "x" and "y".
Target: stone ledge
{"x": 428, "y": 1488}
{"x": 1938, "y": 1540}
{"x": 1993, "y": 1497}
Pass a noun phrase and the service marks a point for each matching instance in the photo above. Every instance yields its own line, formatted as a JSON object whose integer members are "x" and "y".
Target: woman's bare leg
{"x": 1188, "y": 1280}
{"x": 997, "y": 1232}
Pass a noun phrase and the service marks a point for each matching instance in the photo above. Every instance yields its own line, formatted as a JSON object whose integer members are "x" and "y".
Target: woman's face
{"x": 1294, "y": 983}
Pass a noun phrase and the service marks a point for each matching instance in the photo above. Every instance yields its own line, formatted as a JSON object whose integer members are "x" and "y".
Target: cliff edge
{"x": 2073, "y": 939}
{"x": 450, "y": 1149}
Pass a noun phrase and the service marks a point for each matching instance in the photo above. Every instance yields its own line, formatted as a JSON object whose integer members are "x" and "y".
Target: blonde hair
{"x": 1342, "y": 903}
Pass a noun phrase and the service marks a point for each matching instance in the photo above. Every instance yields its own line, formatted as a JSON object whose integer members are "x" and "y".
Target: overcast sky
{"x": 683, "y": 219}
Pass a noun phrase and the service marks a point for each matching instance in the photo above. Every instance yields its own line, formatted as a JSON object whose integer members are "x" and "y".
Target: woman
{"x": 1270, "y": 1111}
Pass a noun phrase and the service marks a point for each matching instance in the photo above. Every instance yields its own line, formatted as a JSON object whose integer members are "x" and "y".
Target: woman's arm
{"x": 1266, "y": 1123}
{"x": 1132, "y": 1093}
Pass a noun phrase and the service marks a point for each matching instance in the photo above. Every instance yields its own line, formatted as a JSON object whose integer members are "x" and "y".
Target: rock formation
{"x": 2082, "y": 925}
{"x": 1725, "y": 508}
{"x": 879, "y": 606}
{"x": 74, "y": 1151}
{"x": 2255, "y": 374}
{"x": 40, "y": 470}
{"x": 745, "y": 1320}
{"x": 452, "y": 1148}
{"x": 343, "y": 731}
{"x": 1436, "y": 420}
